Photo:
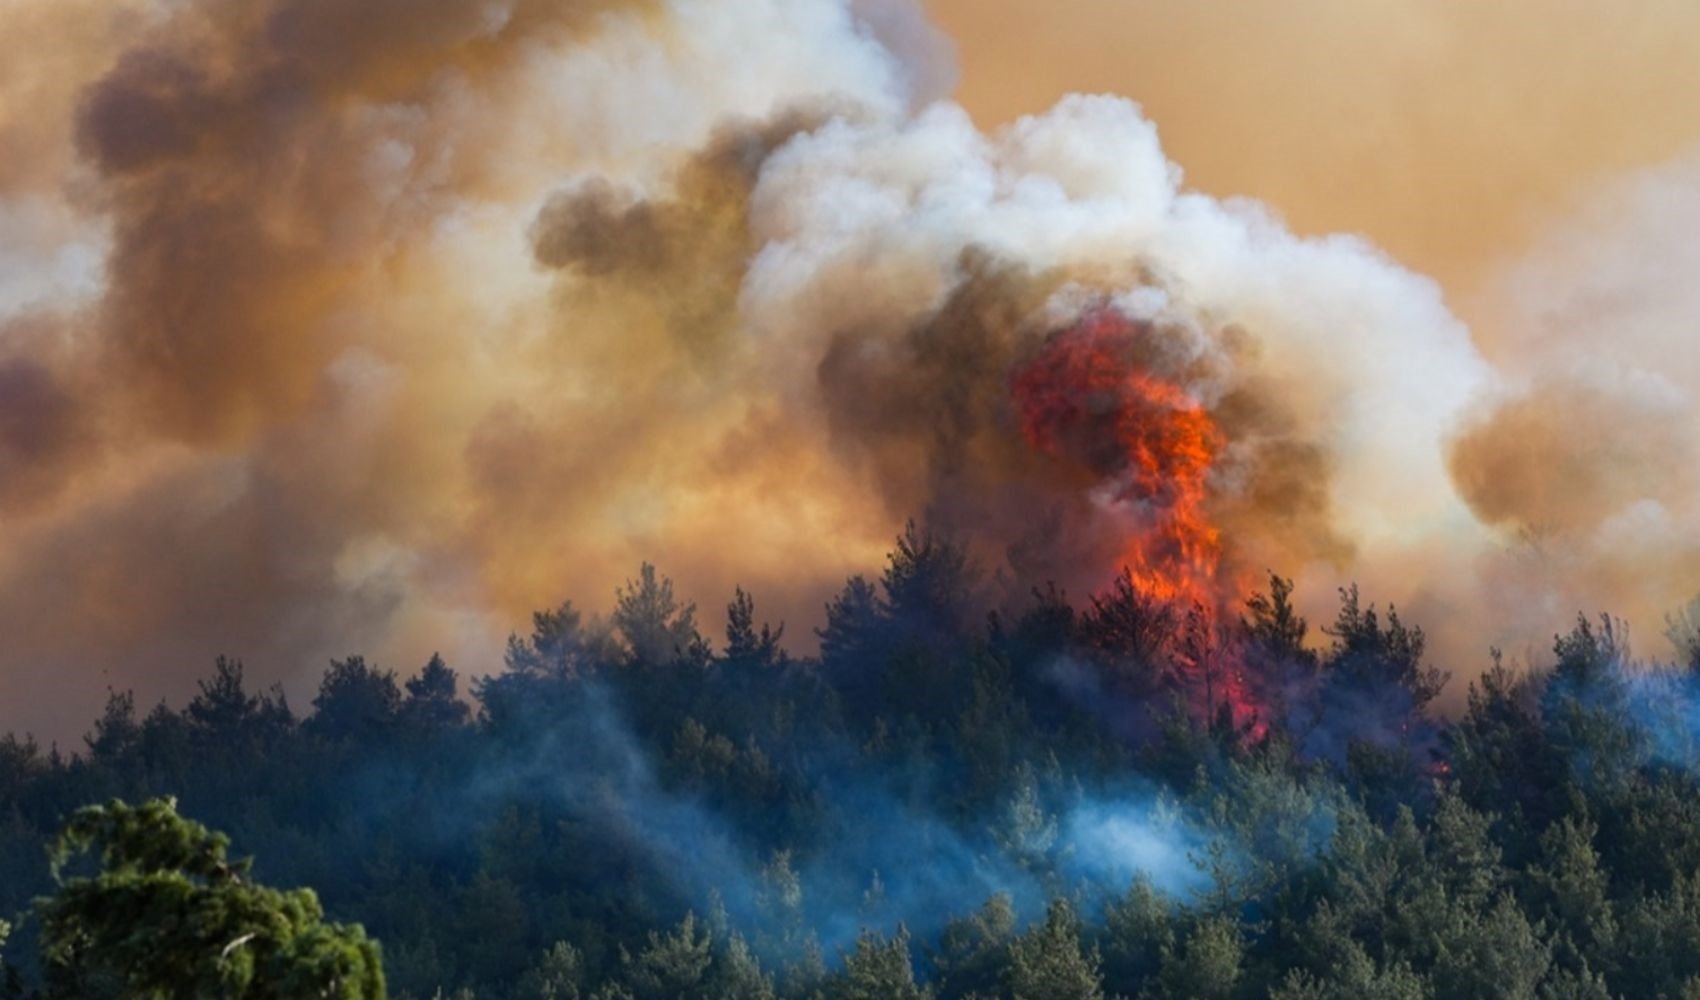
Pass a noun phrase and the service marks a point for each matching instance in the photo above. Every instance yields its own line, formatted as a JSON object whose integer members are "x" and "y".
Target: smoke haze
{"x": 325, "y": 328}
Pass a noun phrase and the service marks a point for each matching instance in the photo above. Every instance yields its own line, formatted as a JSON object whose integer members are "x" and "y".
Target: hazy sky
{"x": 1447, "y": 132}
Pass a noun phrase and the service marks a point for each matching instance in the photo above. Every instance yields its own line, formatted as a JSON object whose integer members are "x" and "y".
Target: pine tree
{"x": 972, "y": 951}
{"x": 356, "y": 701}
{"x": 1047, "y": 963}
{"x": 1208, "y": 965}
{"x": 671, "y": 966}
{"x": 558, "y": 975}
{"x": 656, "y": 627}
{"x": 744, "y": 644}
{"x": 167, "y": 914}
{"x": 738, "y": 975}
{"x": 116, "y": 732}
{"x": 877, "y": 969}
{"x": 433, "y": 703}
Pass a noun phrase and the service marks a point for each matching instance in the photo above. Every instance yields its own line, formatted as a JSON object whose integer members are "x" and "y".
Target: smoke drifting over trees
{"x": 1079, "y": 800}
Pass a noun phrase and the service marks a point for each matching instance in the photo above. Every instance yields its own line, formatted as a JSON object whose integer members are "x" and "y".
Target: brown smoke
{"x": 928, "y": 412}
{"x": 1588, "y": 465}
{"x": 238, "y": 146}
{"x": 1563, "y": 457}
{"x": 1453, "y": 135}
{"x": 680, "y": 256}
{"x": 376, "y": 326}
{"x": 40, "y": 432}
{"x": 247, "y": 420}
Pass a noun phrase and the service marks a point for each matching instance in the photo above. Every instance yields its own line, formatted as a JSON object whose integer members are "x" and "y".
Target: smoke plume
{"x": 1585, "y": 460}
{"x": 327, "y": 327}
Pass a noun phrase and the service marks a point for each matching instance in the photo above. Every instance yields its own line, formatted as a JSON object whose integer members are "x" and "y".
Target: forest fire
{"x": 764, "y": 499}
{"x": 1150, "y": 445}
{"x": 1148, "y": 441}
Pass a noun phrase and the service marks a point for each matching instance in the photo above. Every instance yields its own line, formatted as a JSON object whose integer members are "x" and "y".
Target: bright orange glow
{"x": 1149, "y": 440}
{"x": 1151, "y": 445}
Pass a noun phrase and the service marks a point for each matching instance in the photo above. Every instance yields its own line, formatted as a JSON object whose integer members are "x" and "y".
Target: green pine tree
{"x": 168, "y": 915}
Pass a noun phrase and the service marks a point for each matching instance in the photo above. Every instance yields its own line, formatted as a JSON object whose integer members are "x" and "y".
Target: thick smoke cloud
{"x": 1320, "y": 351}
{"x": 1448, "y": 133}
{"x": 904, "y": 266}
{"x": 281, "y": 376}
{"x": 1564, "y": 456}
{"x": 1586, "y": 461}
{"x": 40, "y": 430}
{"x": 379, "y": 327}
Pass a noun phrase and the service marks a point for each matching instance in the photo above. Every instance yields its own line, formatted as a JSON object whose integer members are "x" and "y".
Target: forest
{"x": 1115, "y": 796}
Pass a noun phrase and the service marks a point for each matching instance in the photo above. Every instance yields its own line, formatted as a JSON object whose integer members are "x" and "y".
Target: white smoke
{"x": 864, "y": 224}
{"x": 442, "y": 424}
{"x": 1596, "y": 329}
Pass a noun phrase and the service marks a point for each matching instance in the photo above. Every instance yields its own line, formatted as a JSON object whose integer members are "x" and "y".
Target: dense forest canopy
{"x": 1119, "y": 797}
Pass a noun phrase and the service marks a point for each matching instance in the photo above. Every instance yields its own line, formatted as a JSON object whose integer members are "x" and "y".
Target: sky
{"x": 327, "y": 330}
{"x": 1450, "y": 134}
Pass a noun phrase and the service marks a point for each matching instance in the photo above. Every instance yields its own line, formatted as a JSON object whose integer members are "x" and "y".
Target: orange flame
{"x": 1084, "y": 399}
{"x": 1148, "y": 440}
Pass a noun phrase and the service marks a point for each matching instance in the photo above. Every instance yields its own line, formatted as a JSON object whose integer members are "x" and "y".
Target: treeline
{"x": 1111, "y": 798}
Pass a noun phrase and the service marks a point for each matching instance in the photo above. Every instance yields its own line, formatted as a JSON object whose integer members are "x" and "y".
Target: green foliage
{"x": 877, "y": 969}
{"x": 655, "y": 626}
{"x": 1207, "y": 966}
{"x": 738, "y": 973}
{"x": 972, "y": 951}
{"x": 168, "y": 915}
{"x": 1139, "y": 929}
{"x": 1353, "y": 975}
{"x": 1569, "y": 891}
{"x": 1048, "y": 963}
{"x": 559, "y": 975}
{"x": 1493, "y": 954}
{"x": 671, "y": 965}
{"x": 557, "y": 834}
{"x": 1585, "y": 705}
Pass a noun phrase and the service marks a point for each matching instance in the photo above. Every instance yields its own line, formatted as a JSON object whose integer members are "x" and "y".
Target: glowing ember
{"x": 1147, "y": 440}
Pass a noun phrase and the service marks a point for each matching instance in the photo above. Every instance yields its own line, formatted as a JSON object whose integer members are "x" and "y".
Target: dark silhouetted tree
{"x": 433, "y": 702}
{"x": 116, "y": 733}
{"x": 928, "y": 583}
{"x": 656, "y": 627}
{"x": 853, "y": 628}
{"x": 1130, "y": 631}
{"x": 226, "y": 716}
{"x": 356, "y": 701}
{"x": 745, "y": 645}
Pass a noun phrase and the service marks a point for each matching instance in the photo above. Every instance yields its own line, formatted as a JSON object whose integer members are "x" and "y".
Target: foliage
{"x": 1052, "y": 804}
{"x": 169, "y": 915}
